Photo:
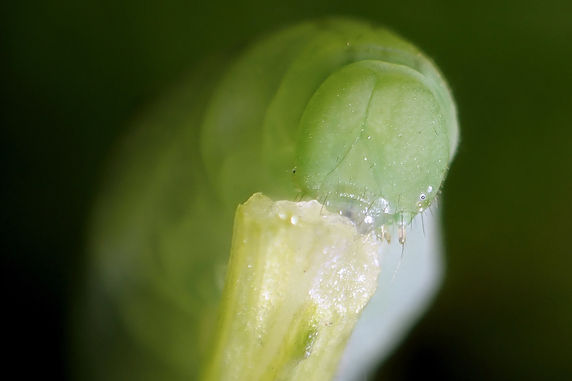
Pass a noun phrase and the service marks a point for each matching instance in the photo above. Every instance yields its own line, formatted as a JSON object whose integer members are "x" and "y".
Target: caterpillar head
{"x": 373, "y": 143}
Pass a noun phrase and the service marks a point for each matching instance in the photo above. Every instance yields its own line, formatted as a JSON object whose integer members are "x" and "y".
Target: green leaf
{"x": 297, "y": 282}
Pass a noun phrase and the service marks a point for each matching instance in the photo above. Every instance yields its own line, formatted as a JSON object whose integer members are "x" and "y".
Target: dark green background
{"x": 73, "y": 73}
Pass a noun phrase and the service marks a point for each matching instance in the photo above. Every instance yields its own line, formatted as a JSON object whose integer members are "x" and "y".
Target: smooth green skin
{"x": 159, "y": 239}
{"x": 373, "y": 137}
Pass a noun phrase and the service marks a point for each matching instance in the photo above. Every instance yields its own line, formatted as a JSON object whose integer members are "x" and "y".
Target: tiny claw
{"x": 385, "y": 234}
{"x": 402, "y": 235}
{"x": 379, "y": 235}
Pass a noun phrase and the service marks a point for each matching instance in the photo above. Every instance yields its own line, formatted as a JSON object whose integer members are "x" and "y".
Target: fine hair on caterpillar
{"x": 369, "y": 220}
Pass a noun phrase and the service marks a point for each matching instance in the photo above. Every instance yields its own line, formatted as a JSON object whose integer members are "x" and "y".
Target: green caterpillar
{"x": 364, "y": 120}
{"x": 335, "y": 110}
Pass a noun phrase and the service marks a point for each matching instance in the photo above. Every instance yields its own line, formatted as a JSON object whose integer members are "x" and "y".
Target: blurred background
{"x": 74, "y": 73}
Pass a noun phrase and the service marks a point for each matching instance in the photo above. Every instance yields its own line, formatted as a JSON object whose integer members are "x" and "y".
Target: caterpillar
{"x": 336, "y": 110}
